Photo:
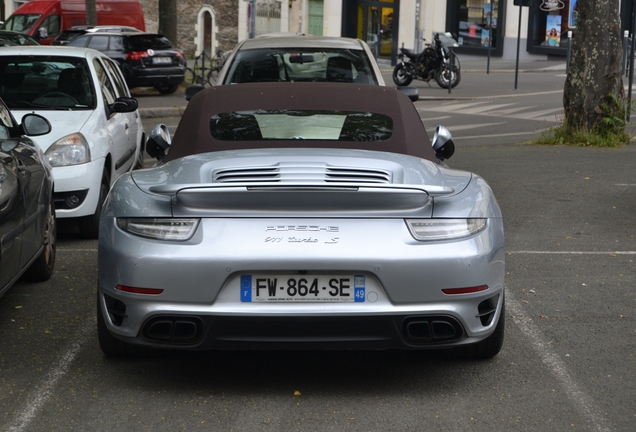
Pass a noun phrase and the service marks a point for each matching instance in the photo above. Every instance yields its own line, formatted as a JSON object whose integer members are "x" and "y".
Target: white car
{"x": 96, "y": 135}
{"x": 301, "y": 58}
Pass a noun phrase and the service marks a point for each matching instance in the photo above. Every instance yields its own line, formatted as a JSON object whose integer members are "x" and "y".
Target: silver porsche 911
{"x": 301, "y": 216}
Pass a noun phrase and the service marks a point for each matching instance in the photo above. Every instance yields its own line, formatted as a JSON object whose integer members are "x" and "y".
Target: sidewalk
{"x": 153, "y": 105}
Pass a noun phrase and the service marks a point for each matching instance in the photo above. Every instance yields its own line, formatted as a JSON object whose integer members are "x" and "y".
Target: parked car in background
{"x": 301, "y": 58}
{"x": 71, "y": 33}
{"x": 305, "y": 215}
{"x": 17, "y": 38}
{"x": 45, "y": 19}
{"x": 27, "y": 213}
{"x": 97, "y": 133}
{"x": 146, "y": 59}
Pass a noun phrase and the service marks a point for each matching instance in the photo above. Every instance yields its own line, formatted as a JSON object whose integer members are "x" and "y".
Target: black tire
{"x": 113, "y": 347}
{"x": 139, "y": 163}
{"x": 89, "y": 225}
{"x": 446, "y": 76}
{"x": 42, "y": 268}
{"x": 167, "y": 89}
{"x": 483, "y": 350}
{"x": 402, "y": 75}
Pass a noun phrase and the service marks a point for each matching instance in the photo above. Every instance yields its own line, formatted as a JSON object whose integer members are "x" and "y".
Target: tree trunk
{"x": 91, "y": 12}
{"x": 168, "y": 20}
{"x": 594, "y": 85}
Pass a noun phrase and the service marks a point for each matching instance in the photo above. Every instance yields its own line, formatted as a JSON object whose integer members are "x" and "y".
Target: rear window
{"x": 146, "y": 42}
{"x": 296, "y": 65}
{"x": 301, "y": 125}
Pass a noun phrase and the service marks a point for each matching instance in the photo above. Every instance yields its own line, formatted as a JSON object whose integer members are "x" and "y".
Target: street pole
{"x": 631, "y": 63}
{"x": 492, "y": 16}
{"x": 518, "y": 46}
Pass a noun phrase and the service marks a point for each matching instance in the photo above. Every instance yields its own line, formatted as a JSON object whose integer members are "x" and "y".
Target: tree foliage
{"x": 593, "y": 97}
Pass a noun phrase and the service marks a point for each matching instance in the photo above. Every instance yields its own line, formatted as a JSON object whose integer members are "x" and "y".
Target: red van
{"x": 45, "y": 19}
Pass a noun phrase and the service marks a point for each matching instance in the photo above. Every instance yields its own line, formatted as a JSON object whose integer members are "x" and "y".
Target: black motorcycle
{"x": 433, "y": 62}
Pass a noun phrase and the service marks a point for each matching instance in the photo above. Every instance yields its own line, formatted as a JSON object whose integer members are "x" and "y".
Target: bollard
{"x": 452, "y": 63}
{"x": 567, "y": 62}
{"x": 625, "y": 48}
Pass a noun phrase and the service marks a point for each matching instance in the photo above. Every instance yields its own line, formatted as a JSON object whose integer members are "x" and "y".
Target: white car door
{"x": 117, "y": 124}
{"x": 134, "y": 121}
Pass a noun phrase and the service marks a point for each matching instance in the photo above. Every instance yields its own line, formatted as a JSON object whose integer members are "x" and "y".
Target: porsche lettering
{"x": 302, "y": 228}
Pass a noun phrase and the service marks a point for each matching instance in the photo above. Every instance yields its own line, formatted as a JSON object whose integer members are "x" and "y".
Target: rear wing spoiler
{"x": 333, "y": 199}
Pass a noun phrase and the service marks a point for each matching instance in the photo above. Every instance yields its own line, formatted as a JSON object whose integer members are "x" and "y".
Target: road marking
{"x": 522, "y": 252}
{"x": 455, "y": 138}
{"x": 471, "y": 126}
{"x": 552, "y": 361}
{"x": 45, "y": 390}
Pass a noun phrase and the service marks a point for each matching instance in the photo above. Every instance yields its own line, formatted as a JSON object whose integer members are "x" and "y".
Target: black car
{"x": 66, "y": 36}
{"x": 27, "y": 212}
{"x": 146, "y": 59}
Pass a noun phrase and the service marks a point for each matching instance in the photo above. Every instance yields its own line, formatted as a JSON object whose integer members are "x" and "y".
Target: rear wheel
{"x": 402, "y": 75}
{"x": 485, "y": 349}
{"x": 448, "y": 76}
{"x": 167, "y": 89}
{"x": 89, "y": 225}
{"x": 42, "y": 268}
{"x": 113, "y": 347}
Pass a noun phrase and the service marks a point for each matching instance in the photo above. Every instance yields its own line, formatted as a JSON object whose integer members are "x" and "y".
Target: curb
{"x": 161, "y": 112}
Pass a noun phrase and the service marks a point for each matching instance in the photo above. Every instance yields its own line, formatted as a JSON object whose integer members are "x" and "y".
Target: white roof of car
{"x": 52, "y": 50}
{"x": 278, "y": 40}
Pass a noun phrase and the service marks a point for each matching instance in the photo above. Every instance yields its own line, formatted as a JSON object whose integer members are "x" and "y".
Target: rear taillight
{"x": 179, "y": 53}
{"x": 136, "y": 55}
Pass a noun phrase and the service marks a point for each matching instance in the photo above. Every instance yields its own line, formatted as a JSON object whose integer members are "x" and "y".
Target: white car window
{"x": 105, "y": 84}
{"x": 120, "y": 84}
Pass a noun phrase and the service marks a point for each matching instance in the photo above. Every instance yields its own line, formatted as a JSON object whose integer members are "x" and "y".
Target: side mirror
{"x": 43, "y": 33}
{"x": 191, "y": 91}
{"x": 124, "y": 105}
{"x": 443, "y": 143}
{"x": 412, "y": 92}
{"x": 158, "y": 141}
{"x": 35, "y": 125}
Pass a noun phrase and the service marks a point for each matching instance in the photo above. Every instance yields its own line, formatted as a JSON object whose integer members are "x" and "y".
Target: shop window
{"x": 550, "y": 22}
{"x": 476, "y": 24}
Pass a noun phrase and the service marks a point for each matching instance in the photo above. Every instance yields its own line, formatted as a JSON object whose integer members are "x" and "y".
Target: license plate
{"x": 312, "y": 288}
{"x": 161, "y": 60}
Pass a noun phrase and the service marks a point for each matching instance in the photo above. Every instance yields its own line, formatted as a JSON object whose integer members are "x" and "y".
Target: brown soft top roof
{"x": 193, "y": 133}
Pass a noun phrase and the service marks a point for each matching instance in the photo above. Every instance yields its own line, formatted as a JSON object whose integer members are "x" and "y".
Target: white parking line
{"x": 572, "y": 252}
{"x": 577, "y": 395}
{"x": 45, "y": 389}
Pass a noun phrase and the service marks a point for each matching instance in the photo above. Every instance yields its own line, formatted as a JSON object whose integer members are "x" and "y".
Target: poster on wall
{"x": 553, "y": 30}
{"x": 574, "y": 13}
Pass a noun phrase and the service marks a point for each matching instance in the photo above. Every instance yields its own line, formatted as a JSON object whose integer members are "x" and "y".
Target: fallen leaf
{"x": 296, "y": 393}
{"x": 18, "y": 307}
{"x": 612, "y": 255}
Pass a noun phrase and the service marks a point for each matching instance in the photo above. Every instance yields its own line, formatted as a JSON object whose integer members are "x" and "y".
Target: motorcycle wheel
{"x": 446, "y": 77}
{"x": 402, "y": 75}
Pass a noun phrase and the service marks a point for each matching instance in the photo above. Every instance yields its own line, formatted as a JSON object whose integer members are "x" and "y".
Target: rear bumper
{"x": 142, "y": 77}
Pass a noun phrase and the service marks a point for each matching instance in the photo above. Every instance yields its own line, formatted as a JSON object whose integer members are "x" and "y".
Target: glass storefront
{"x": 550, "y": 21}
{"x": 476, "y": 24}
{"x": 375, "y": 26}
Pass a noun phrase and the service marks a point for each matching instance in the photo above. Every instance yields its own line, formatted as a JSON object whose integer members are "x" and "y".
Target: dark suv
{"x": 146, "y": 59}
